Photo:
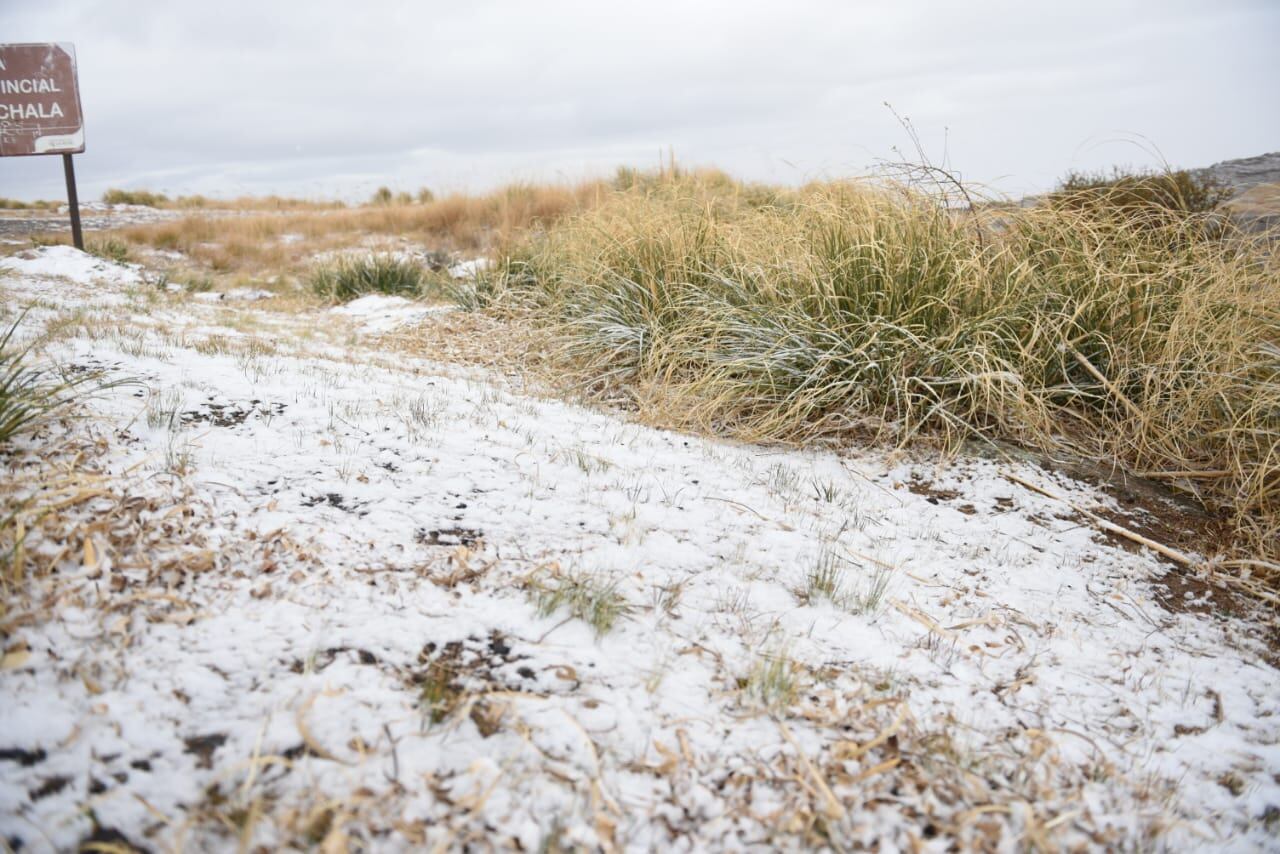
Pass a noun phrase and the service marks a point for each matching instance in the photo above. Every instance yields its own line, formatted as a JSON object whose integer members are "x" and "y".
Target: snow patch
{"x": 381, "y": 313}
{"x": 469, "y": 269}
{"x": 67, "y": 262}
{"x": 235, "y": 295}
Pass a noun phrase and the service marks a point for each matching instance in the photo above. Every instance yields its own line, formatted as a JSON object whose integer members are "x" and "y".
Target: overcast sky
{"x": 334, "y": 97}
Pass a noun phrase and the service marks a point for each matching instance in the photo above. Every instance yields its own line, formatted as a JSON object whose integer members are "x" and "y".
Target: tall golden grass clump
{"x": 1149, "y": 341}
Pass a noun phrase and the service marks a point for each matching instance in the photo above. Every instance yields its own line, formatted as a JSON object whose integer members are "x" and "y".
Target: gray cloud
{"x": 332, "y": 98}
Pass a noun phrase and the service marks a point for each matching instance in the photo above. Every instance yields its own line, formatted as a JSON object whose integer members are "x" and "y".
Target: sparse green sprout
{"x": 826, "y": 490}
{"x": 163, "y": 409}
{"x": 439, "y": 693}
{"x": 666, "y": 597}
{"x": 829, "y": 580}
{"x": 826, "y": 581}
{"x": 871, "y": 598}
{"x": 425, "y": 411}
{"x": 782, "y": 480}
{"x": 178, "y": 456}
{"x": 772, "y": 682}
{"x": 597, "y": 602}
{"x": 112, "y": 249}
{"x": 587, "y": 463}
{"x": 196, "y": 283}
{"x": 356, "y": 276}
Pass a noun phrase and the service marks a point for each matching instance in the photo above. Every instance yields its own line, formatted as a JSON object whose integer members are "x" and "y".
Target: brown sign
{"x": 39, "y": 100}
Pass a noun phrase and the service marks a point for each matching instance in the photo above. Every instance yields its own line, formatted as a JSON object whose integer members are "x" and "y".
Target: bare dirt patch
{"x": 230, "y": 414}
{"x": 449, "y": 537}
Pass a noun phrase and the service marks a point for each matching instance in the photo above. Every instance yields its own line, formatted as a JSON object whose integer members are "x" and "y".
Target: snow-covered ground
{"x": 306, "y": 589}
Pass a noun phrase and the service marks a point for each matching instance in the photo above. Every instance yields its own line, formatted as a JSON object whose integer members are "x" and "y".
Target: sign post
{"x": 73, "y": 201}
{"x": 40, "y": 110}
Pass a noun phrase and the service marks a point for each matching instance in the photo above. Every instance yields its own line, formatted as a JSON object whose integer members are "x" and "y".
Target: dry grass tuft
{"x": 347, "y": 278}
{"x": 582, "y": 596}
